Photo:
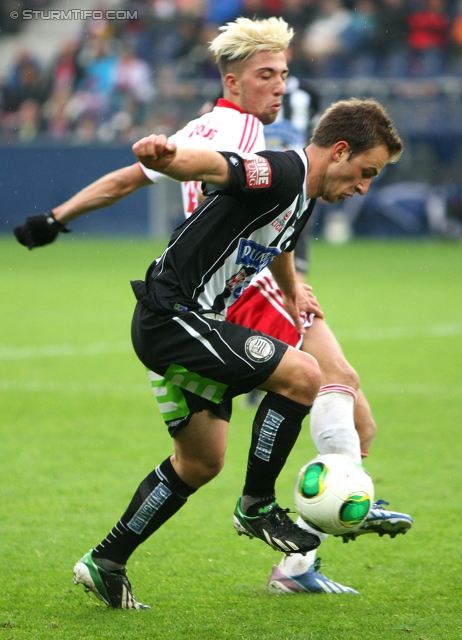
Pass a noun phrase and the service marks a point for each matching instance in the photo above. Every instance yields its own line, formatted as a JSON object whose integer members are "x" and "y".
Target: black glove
{"x": 39, "y": 230}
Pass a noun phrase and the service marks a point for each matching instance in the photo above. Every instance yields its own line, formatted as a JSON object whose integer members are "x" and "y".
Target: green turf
{"x": 79, "y": 430}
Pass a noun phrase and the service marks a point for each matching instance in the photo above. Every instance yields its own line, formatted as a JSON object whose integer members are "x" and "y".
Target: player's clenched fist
{"x": 39, "y": 230}
{"x": 155, "y": 151}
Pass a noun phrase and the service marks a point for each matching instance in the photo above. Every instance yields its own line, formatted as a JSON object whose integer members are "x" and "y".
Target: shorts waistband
{"x": 213, "y": 316}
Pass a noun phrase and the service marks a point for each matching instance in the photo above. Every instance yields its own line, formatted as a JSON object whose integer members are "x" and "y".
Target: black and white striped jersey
{"x": 232, "y": 235}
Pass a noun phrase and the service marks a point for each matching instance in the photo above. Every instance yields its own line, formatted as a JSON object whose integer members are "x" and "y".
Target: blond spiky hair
{"x": 242, "y": 38}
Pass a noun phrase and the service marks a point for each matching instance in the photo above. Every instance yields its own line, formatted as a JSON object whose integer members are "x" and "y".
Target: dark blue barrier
{"x": 35, "y": 178}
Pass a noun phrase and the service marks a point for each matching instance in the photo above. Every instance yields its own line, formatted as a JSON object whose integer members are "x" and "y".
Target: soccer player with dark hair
{"x": 256, "y": 207}
{"x": 254, "y": 83}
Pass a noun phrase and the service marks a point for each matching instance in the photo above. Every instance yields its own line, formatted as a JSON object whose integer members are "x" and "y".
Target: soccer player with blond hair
{"x": 253, "y": 86}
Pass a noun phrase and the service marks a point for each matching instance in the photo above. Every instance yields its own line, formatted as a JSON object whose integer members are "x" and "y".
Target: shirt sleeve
{"x": 268, "y": 173}
{"x": 153, "y": 176}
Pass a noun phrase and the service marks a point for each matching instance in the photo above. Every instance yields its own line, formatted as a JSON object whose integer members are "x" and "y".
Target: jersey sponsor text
{"x": 257, "y": 172}
{"x": 203, "y": 131}
{"x": 254, "y": 255}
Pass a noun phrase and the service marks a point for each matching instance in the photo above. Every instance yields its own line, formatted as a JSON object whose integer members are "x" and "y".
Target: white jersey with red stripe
{"x": 261, "y": 307}
{"x": 225, "y": 128}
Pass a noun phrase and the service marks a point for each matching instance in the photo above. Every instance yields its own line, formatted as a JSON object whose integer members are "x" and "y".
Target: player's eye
{"x": 368, "y": 174}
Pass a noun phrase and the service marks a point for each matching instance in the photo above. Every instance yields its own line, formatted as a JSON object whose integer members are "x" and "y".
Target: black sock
{"x": 161, "y": 494}
{"x": 276, "y": 427}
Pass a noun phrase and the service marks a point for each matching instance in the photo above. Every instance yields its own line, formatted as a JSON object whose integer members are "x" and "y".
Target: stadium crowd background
{"x": 122, "y": 78}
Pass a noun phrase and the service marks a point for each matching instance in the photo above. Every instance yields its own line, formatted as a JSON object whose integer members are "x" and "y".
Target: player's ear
{"x": 340, "y": 150}
{"x": 231, "y": 82}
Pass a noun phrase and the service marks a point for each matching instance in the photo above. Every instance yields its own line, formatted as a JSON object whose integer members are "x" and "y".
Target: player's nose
{"x": 363, "y": 187}
{"x": 280, "y": 87}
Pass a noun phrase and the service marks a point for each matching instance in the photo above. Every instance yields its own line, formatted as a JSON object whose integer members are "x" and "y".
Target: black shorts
{"x": 199, "y": 361}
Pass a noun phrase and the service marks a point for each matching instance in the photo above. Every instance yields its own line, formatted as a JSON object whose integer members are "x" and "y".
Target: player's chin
{"x": 268, "y": 118}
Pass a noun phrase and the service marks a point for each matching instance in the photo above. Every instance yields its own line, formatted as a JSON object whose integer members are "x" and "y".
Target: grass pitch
{"x": 79, "y": 430}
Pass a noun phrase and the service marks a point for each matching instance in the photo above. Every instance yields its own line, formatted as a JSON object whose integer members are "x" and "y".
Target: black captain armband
{"x": 39, "y": 230}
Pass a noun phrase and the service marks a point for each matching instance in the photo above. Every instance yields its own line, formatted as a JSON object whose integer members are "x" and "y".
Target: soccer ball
{"x": 333, "y": 494}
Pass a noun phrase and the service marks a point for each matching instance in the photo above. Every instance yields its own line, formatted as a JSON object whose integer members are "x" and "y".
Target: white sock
{"x": 332, "y": 422}
{"x": 333, "y": 431}
{"x": 295, "y": 564}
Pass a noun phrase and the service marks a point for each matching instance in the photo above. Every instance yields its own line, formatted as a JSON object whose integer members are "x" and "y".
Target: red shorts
{"x": 260, "y": 307}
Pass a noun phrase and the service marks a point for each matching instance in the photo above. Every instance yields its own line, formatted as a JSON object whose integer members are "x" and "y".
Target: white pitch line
{"x": 73, "y": 387}
{"x": 396, "y": 333}
{"x": 97, "y": 348}
{"x": 63, "y": 350}
{"x": 430, "y": 390}
{"x": 395, "y": 388}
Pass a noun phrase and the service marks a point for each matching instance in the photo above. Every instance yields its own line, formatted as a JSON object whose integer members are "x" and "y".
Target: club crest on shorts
{"x": 259, "y": 349}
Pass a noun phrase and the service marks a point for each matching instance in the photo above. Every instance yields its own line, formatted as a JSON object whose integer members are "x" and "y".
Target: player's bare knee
{"x": 297, "y": 377}
{"x": 350, "y": 377}
{"x": 209, "y": 470}
{"x": 341, "y": 372}
{"x": 198, "y": 472}
{"x": 305, "y": 379}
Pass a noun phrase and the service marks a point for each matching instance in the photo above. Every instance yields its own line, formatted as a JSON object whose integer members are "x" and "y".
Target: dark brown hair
{"x": 364, "y": 124}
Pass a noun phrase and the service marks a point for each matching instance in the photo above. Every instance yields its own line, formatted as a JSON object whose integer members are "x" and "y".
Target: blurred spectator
{"x": 85, "y": 130}
{"x": 390, "y": 43}
{"x": 358, "y": 39}
{"x": 220, "y": 12}
{"x": 456, "y": 41}
{"x": 196, "y": 60}
{"x": 323, "y": 39}
{"x": 101, "y": 86}
{"x": 67, "y": 72}
{"x": 159, "y": 39}
{"x": 57, "y": 115}
{"x": 29, "y": 120}
{"x": 24, "y": 58}
{"x": 192, "y": 8}
{"x": 93, "y": 93}
{"x": 97, "y": 29}
{"x": 261, "y": 9}
{"x": 299, "y": 13}
{"x": 189, "y": 31}
{"x": 300, "y": 65}
{"x": 23, "y": 125}
{"x": 428, "y": 39}
{"x": 99, "y": 68}
{"x": 30, "y": 84}
{"x": 133, "y": 83}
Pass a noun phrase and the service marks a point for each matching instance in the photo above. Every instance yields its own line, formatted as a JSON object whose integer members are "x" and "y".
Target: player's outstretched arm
{"x": 104, "y": 192}
{"x": 157, "y": 153}
{"x": 44, "y": 228}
